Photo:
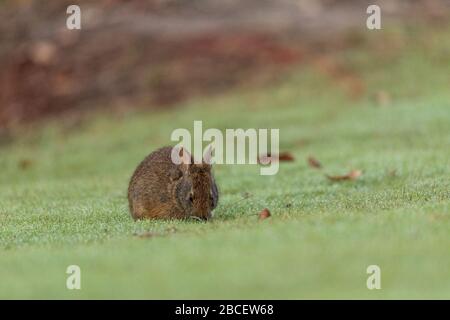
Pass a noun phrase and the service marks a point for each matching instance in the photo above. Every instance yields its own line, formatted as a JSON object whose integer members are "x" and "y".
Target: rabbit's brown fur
{"x": 161, "y": 189}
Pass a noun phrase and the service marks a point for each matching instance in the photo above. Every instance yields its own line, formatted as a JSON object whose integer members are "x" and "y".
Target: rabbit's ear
{"x": 185, "y": 156}
{"x": 207, "y": 156}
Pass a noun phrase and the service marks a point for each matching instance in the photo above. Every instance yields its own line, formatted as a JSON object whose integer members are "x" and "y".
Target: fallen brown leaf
{"x": 314, "y": 163}
{"x": 283, "y": 156}
{"x": 25, "y": 164}
{"x": 264, "y": 214}
{"x": 352, "y": 175}
{"x": 286, "y": 156}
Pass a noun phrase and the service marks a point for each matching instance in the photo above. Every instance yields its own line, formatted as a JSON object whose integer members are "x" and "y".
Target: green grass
{"x": 69, "y": 206}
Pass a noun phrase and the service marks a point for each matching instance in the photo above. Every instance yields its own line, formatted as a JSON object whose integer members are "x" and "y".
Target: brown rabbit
{"x": 159, "y": 188}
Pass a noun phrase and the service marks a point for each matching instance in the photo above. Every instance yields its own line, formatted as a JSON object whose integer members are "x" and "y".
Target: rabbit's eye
{"x": 191, "y": 198}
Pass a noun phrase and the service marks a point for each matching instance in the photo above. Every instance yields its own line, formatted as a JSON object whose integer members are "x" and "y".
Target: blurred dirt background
{"x": 154, "y": 54}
